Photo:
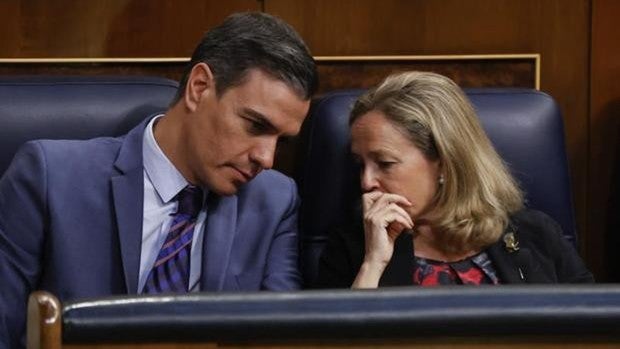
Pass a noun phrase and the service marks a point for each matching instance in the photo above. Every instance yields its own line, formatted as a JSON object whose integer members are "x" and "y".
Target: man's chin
{"x": 227, "y": 189}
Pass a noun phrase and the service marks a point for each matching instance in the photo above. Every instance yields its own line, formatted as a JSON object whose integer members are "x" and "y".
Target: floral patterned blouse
{"x": 475, "y": 270}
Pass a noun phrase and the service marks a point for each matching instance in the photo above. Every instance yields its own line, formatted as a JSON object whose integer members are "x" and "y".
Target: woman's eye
{"x": 385, "y": 164}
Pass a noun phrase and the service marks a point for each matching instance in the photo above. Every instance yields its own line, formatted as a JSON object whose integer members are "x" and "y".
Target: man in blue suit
{"x": 108, "y": 216}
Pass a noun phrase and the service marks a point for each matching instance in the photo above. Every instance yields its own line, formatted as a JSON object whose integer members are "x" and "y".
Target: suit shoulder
{"x": 543, "y": 237}
{"x": 46, "y": 152}
{"x": 533, "y": 219}
{"x": 65, "y": 159}
{"x": 95, "y": 147}
{"x": 537, "y": 227}
{"x": 271, "y": 181}
{"x": 270, "y": 188}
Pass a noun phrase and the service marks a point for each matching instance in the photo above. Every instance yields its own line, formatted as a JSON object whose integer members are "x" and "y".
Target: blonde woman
{"x": 438, "y": 206}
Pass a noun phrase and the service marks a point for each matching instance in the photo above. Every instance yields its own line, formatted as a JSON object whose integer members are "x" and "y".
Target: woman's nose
{"x": 368, "y": 181}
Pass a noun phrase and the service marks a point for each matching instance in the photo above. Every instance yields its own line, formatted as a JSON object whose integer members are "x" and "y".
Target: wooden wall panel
{"x": 9, "y": 24}
{"x": 557, "y": 29}
{"x": 171, "y": 70}
{"x": 359, "y": 72}
{"x": 392, "y": 27}
{"x": 604, "y": 199}
{"x": 174, "y": 27}
{"x": 112, "y": 28}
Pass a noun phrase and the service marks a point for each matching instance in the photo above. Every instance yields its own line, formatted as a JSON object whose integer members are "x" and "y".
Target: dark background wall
{"x": 577, "y": 41}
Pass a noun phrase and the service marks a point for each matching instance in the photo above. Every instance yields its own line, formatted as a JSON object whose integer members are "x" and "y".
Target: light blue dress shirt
{"x": 162, "y": 182}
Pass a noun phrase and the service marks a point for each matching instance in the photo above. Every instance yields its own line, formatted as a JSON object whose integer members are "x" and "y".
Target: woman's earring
{"x": 441, "y": 180}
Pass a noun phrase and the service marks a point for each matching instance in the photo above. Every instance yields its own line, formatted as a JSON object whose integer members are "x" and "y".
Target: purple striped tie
{"x": 170, "y": 272}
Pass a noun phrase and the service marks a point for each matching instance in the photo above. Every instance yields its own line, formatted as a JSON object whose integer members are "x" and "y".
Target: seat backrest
{"x": 60, "y": 107}
{"x": 537, "y": 315}
{"x": 524, "y": 125}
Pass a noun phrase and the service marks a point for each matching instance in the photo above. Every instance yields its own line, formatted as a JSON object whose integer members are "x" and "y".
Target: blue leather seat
{"x": 75, "y": 107}
{"x": 505, "y": 316}
{"x": 524, "y": 125}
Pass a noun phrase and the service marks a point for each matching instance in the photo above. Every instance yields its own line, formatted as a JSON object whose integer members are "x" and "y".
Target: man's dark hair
{"x": 251, "y": 40}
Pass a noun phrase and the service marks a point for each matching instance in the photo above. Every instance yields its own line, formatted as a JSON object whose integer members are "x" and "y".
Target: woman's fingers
{"x": 381, "y": 199}
{"x": 396, "y": 220}
{"x": 374, "y": 201}
{"x": 395, "y": 198}
{"x": 381, "y": 231}
{"x": 385, "y": 218}
{"x": 368, "y": 199}
{"x": 384, "y": 215}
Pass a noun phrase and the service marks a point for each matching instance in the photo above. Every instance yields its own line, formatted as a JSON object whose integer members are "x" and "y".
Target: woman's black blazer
{"x": 536, "y": 252}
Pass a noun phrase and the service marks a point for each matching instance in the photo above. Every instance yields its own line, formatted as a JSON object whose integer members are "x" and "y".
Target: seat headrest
{"x": 60, "y": 107}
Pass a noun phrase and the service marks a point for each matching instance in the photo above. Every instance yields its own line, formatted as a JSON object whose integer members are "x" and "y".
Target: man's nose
{"x": 263, "y": 153}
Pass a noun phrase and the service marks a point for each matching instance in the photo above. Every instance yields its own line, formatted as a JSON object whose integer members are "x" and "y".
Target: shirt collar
{"x": 166, "y": 179}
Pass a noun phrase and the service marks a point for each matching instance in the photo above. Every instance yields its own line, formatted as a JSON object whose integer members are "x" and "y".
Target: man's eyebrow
{"x": 260, "y": 118}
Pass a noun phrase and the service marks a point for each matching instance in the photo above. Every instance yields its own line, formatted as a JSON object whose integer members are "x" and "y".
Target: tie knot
{"x": 190, "y": 201}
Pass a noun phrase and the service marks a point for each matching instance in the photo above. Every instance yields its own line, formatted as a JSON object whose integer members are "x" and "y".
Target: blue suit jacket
{"x": 71, "y": 223}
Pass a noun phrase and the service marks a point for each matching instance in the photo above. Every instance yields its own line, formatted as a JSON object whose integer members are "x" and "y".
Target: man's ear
{"x": 199, "y": 83}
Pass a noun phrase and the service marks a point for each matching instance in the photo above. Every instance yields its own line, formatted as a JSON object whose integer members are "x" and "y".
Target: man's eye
{"x": 256, "y": 127}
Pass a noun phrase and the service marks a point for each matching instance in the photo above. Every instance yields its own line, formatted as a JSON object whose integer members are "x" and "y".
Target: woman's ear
{"x": 441, "y": 178}
{"x": 199, "y": 83}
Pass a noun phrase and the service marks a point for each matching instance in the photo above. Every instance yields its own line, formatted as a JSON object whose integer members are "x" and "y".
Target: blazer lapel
{"x": 217, "y": 244}
{"x": 399, "y": 272}
{"x": 514, "y": 263}
{"x": 128, "y": 197}
{"x": 505, "y": 264}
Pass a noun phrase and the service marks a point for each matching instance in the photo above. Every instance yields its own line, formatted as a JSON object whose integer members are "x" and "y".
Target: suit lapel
{"x": 399, "y": 272}
{"x": 218, "y": 238}
{"x": 505, "y": 264}
{"x": 128, "y": 197}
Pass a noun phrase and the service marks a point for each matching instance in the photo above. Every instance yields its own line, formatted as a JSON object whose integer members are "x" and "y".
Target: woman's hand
{"x": 384, "y": 220}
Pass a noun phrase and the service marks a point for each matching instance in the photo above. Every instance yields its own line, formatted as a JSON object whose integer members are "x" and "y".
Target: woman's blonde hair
{"x": 478, "y": 194}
